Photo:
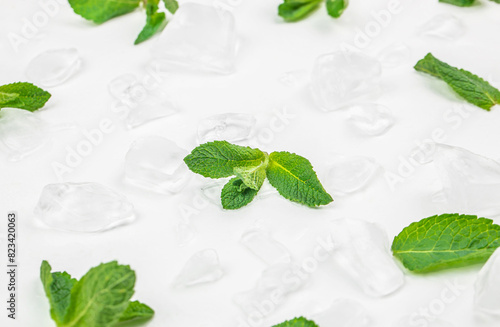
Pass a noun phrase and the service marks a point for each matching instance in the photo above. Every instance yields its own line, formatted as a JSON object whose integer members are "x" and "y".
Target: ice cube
{"x": 265, "y": 247}
{"x": 342, "y": 78}
{"x": 395, "y": 55}
{"x": 199, "y": 37}
{"x": 230, "y": 127}
{"x": 371, "y": 119}
{"x": 212, "y": 191}
{"x": 362, "y": 252}
{"x": 141, "y": 104}
{"x": 350, "y": 174}
{"x": 471, "y": 183}
{"x": 202, "y": 267}
{"x": 487, "y": 287}
{"x": 53, "y": 67}
{"x": 343, "y": 313}
{"x": 156, "y": 164}
{"x": 83, "y": 207}
{"x": 21, "y": 133}
{"x": 444, "y": 27}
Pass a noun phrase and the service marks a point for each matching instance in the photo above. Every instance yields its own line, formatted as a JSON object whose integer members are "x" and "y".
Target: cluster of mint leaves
{"x": 101, "y": 298}
{"x": 292, "y": 175}
{"x": 469, "y": 86}
{"x": 295, "y": 10}
{"x": 297, "y": 322}
{"x": 100, "y": 11}
{"x": 463, "y": 3}
{"x": 23, "y": 95}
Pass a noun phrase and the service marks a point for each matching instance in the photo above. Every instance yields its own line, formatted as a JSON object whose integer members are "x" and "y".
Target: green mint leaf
{"x": 297, "y": 322}
{"x": 171, "y": 5}
{"x": 295, "y": 10}
{"x": 253, "y": 177}
{"x": 460, "y": 3}
{"x": 446, "y": 241}
{"x": 136, "y": 311}
{"x": 235, "y": 194}
{"x": 100, "y": 11}
{"x": 155, "y": 22}
{"x": 336, "y": 8}
{"x": 57, "y": 287}
{"x": 101, "y": 296}
{"x": 469, "y": 86}
{"x": 294, "y": 178}
{"x": 28, "y": 96}
{"x": 497, "y": 1}
{"x": 218, "y": 159}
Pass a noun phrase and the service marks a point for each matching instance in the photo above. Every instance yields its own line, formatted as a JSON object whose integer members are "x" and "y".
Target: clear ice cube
{"x": 199, "y": 37}
{"x": 350, "y": 174}
{"x": 202, "y": 267}
{"x": 265, "y": 247}
{"x": 156, "y": 164}
{"x": 444, "y": 27}
{"x": 487, "y": 287}
{"x": 230, "y": 127}
{"x": 395, "y": 55}
{"x": 141, "y": 104}
{"x": 212, "y": 191}
{"x": 471, "y": 183}
{"x": 343, "y": 313}
{"x": 83, "y": 207}
{"x": 342, "y": 78}
{"x": 21, "y": 133}
{"x": 362, "y": 252}
{"x": 53, "y": 67}
{"x": 371, "y": 119}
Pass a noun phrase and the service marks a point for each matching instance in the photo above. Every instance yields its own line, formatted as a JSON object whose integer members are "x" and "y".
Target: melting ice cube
{"x": 487, "y": 287}
{"x": 83, "y": 207}
{"x": 53, "y": 67}
{"x": 156, "y": 163}
{"x": 343, "y": 313}
{"x": 229, "y": 127}
{"x": 202, "y": 267}
{"x": 371, "y": 119}
{"x": 444, "y": 27}
{"x": 199, "y": 37}
{"x": 395, "y": 55}
{"x": 266, "y": 248}
{"x": 350, "y": 174}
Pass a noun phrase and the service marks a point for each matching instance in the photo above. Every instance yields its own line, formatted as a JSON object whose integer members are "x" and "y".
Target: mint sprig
{"x": 101, "y": 298}
{"x": 155, "y": 21}
{"x": 296, "y": 10}
{"x": 23, "y": 95}
{"x": 292, "y": 175}
{"x": 446, "y": 241}
{"x": 297, "y": 322}
{"x": 469, "y": 86}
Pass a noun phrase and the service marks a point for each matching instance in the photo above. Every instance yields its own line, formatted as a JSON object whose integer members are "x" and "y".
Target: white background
{"x": 268, "y": 48}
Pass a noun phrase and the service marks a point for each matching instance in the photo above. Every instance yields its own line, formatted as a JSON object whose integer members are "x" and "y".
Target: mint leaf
{"x": 101, "y": 296}
{"x": 136, "y": 311}
{"x": 23, "y": 96}
{"x": 295, "y": 10}
{"x": 171, "y": 5}
{"x": 235, "y": 194}
{"x": 460, "y": 3}
{"x": 469, "y": 86}
{"x": 497, "y": 1}
{"x": 446, "y": 241}
{"x": 100, "y": 11}
{"x": 253, "y": 177}
{"x": 297, "y": 322}
{"x": 219, "y": 158}
{"x": 294, "y": 178}
{"x": 155, "y": 22}
{"x": 57, "y": 287}
{"x": 336, "y": 8}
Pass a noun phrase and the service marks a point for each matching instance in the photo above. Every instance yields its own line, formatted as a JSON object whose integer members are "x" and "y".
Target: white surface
{"x": 423, "y": 108}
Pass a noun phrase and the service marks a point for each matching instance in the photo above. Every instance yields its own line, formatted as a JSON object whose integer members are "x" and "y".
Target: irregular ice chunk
{"x": 53, "y": 67}
{"x": 350, "y": 174}
{"x": 362, "y": 251}
{"x": 471, "y": 183}
{"x": 156, "y": 163}
{"x": 229, "y": 127}
{"x": 83, "y": 207}
{"x": 140, "y": 104}
{"x": 487, "y": 287}
{"x": 343, "y": 313}
{"x": 21, "y": 132}
{"x": 342, "y": 78}
{"x": 443, "y": 26}
{"x": 394, "y": 55}
{"x": 371, "y": 119}
{"x": 202, "y": 267}
{"x": 266, "y": 248}
{"x": 200, "y": 37}
{"x": 212, "y": 191}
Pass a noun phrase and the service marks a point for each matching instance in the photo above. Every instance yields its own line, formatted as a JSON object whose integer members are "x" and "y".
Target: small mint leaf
{"x": 297, "y": 322}
{"x": 295, "y": 10}
{"x": 28, "y": 96}
{"x": 253, "y": 177}
{"x": 235, "y": 194}
{"x": 336, "y": 8}
{"x": 171, "y": 5}
{"x": 155, "y": 22}
{"x": 100, "y": 11}
{"x": 460, "y": 3}
{"x": 137, "y": 311}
